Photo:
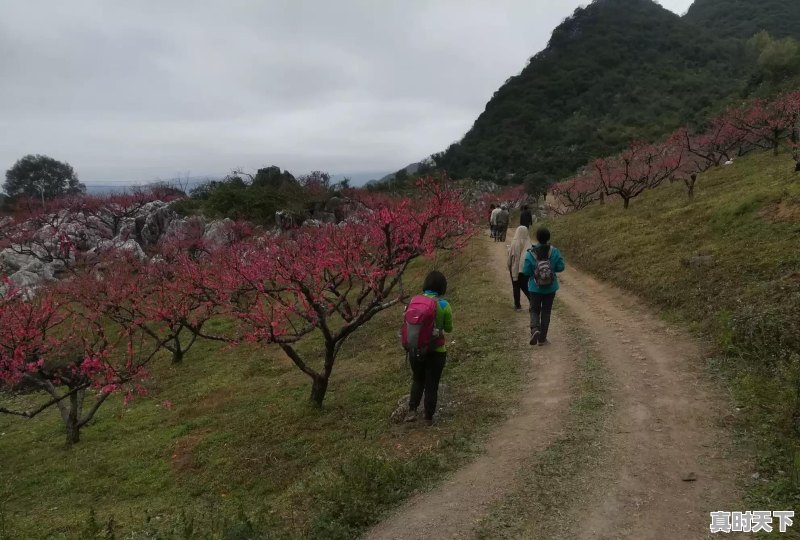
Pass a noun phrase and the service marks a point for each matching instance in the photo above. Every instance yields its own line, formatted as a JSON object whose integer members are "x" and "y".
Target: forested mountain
{"x": 618, "y": 70}
{"x": 743, "y": 18}
{"x": 615, "y": 70}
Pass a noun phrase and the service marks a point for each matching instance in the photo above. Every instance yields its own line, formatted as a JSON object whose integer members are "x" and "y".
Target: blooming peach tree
{"x": 332, "y": 280}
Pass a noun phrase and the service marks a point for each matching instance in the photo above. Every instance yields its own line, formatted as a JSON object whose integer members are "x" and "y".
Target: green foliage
{"x": 776, "y": 62}
{"x": 255, "y": 200}
{"x": 747, "y": 218}
{"x": 614, "y": 71}
{"x": 743, "y": 18}
{"x": 41, "y": 177}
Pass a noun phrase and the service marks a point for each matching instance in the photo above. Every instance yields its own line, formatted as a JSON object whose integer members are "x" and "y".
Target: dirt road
{"x": 664, "y": 463}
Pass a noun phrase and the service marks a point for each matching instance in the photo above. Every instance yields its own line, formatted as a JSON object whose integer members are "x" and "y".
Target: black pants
{"x": 426, "y": 372}
{"x": 541, "y": 307}
{"x": 520, "y": 285}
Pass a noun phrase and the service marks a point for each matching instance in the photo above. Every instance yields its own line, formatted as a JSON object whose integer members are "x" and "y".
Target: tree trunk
{"x": 602, "y": 198}
{"x": 626, "y": 204}
{"x": 319, "y": 387}
{"x": 777, "y": 143}
{"x": 690, "y": 185}
{"x": 71, "y": 420}
{"x": 177, "y": 353}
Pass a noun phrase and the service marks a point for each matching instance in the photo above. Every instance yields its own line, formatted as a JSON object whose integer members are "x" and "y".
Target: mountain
{"x": 411, "y": 168}
{"x": 743, "y": 18}
{"x": 613, "y": 71}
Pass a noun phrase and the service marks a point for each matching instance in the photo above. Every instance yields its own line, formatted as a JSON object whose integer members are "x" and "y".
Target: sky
{"x": 131, "y": 92}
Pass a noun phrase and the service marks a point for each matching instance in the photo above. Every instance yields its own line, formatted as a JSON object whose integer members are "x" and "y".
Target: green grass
{"x": 747, "y": 217}
{"x": 243, "y": 454}
{"x": 550, "y": 482}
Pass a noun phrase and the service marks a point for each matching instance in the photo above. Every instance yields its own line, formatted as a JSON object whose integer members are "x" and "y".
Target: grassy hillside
{"x": 242, "y": 454}
{"x": 743, "y": 18}
{"x": 744, "y": 292}
{"x": 615, "y": 70}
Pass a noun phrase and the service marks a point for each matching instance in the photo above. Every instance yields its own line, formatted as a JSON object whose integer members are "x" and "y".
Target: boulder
{"x": 217, "y": 233}
{"x": 25, "y": 280}
{"x": 156, "y": 223}
{"x": 11, "y": 261}
{"x": 324, "y": 217}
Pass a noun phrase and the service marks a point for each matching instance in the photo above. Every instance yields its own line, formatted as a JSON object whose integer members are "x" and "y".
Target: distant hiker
{"x": 542, "y": 263}
{"x": 516, "y": 262}
{"x": 427, "y": 318}
{"x": 491, "y": 225}
{"x": 526, "y": 217}
{"x": 502, "y": 223}
{"x": 493, "y": 221}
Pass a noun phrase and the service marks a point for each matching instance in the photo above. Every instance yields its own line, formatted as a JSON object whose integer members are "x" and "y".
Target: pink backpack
{"x": 419, "y": 322}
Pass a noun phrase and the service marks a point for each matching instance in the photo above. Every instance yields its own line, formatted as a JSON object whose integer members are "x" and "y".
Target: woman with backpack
{"x": 516, "y": 263}
{"x": 542, "y": 263}
{"x": 427, "y": 318}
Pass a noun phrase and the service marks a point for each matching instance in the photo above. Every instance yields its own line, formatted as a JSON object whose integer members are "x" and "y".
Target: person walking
{"x": 502, "y": 223}
{"x": 493, "y": 221}
{"x": 491, "y": 215}
{"x": 542, "y": 263}
{"x": 426, "y": 369}
{"x": 526, "y": 217}
{"x": 516, "y": 261}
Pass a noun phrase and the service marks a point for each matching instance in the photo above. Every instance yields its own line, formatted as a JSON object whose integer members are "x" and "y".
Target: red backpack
{"x": 419, "y": 325}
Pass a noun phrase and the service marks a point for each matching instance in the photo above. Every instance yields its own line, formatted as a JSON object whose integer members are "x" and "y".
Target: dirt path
{"x": 450, "y": 511}
{"x": 663, "y": 430}
{"x": 663, "y": 424}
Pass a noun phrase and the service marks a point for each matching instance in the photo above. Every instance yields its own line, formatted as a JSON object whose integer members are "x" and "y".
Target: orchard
{"x": 77, "y": 340}
{"x": 685, "y": 154}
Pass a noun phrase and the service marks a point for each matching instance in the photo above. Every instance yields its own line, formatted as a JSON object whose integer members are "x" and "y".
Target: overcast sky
{"x": 144, "y": 90}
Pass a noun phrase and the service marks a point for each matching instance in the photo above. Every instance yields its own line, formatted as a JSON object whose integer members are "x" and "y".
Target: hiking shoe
{"x": 411, "y": 416}
{"x": 535, "y": 337}
{"x": 517, "y": 308}
{"x": 543, "y": 342}
{"x": 429, "y": 421}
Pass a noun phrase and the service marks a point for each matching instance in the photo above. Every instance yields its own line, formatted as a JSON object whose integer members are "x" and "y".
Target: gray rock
{"x": 700, "y": 261}
{"x": 217, "y": 233}
{"x": 12, "y": 261}
{"x": 25, "y": 280}
{"x": 156, "y": 223}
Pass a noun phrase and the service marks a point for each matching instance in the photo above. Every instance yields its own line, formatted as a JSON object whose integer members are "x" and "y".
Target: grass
{"x": 242, "y": 454}
{"x": 746, "y": 217}
{"x": 550, "y": 482}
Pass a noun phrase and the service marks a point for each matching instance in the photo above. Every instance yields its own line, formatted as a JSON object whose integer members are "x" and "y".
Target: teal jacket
{"x": 556, "y": 261}
{"x": 444, "y": 319}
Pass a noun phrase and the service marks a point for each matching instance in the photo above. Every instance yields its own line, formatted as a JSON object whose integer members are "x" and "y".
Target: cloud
{"x": 132, "y": 91}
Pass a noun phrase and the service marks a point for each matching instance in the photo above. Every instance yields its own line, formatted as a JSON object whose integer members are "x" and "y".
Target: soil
{"x": 666, "y": 462}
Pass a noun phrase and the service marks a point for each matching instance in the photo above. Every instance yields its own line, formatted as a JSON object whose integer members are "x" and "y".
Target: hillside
{"x": 615, "y": 70}
{"x": 726, "y": 264}
{"x": 743, "y": 18}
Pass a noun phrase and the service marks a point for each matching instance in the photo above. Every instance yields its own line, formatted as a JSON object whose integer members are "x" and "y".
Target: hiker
{"x": 516, "y": 262}
{"x": 491, "y": 226}
{"x": 502, "y": 223}
{"x": 542, "y": 263}
{"x": 493, "y": 220}
{"x": 526, "y": 217}
{"x": 427, "y": 317}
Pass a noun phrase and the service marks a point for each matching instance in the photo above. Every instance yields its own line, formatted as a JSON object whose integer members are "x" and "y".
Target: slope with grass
{"x": 242, "y": 452}
{"x": 728, "y": 265}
